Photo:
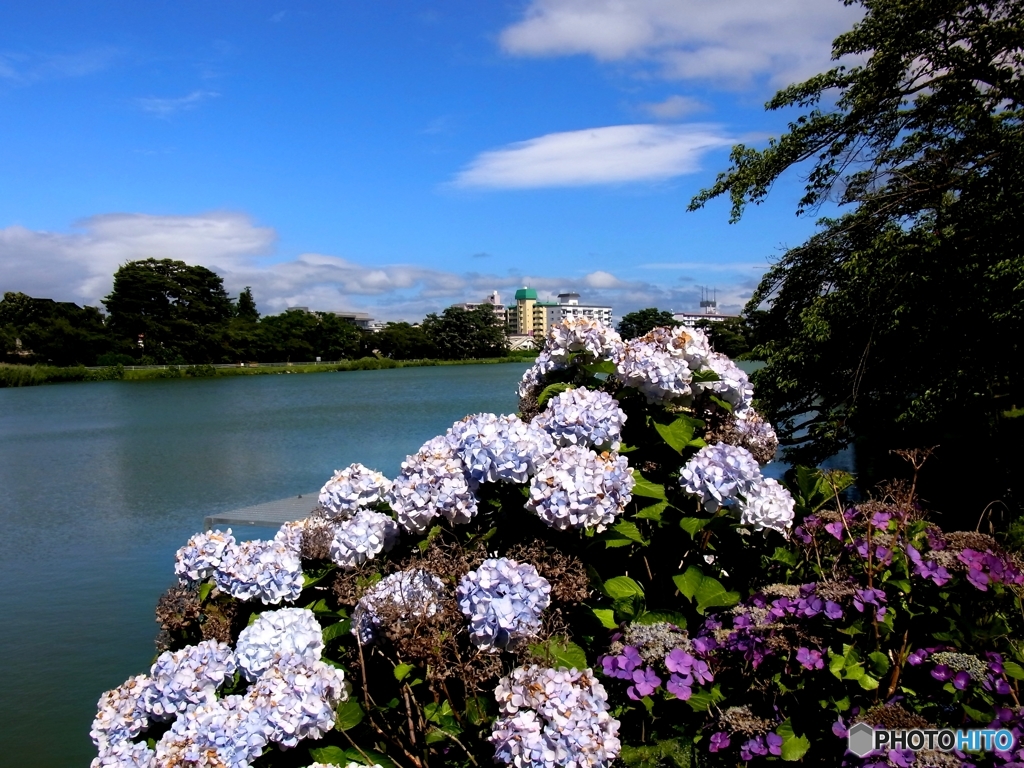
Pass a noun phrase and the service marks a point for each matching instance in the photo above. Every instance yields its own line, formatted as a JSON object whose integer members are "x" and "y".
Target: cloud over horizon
{"x": 79, "y": 266}
{"x": 730, "y": 44}
{"x": 612, "y": 154}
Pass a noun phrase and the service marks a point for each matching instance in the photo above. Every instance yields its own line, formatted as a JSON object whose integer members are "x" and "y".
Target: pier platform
{"x": 271, "y": 514}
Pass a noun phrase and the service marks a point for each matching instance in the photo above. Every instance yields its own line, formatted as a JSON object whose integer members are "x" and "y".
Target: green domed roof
{"x": 526, "y": 293}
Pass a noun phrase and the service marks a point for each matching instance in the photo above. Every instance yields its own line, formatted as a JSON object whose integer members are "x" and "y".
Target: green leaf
{"x": 551, "y": 390}
{"x": 688, "y": 583}
{"x": 645, "y": 488}
{"x": 630, "y": 531}
{"x": 657, "y": 617}
{"x": 350, "y": 714}
{"x": 711, "y": 594}
{"x": 604, "y": 366}
{"x": 793, "y": 747}
{"x": 653, "y": 512}
{"x": 204, "y": 591}
{"x": 329, "y": 756}
{"x": 561, "y": 651}
{"x": 867, "y": 682}
{"x": 705, "y": 375}
{"x": 339, "y": 629}
{"x": 619, "y": 587}
{"x": 606, "y": 616}
{"x": 879, "y": 662}
{"x": 901, "y": 584}
{"x": 977, "y": 715}
{"x": 693, "y": 524}
{"x": 1014, "y": 670}
{"x": 721, "y": 403}
{"x": 628, "y": 607}
{"x": 836, "y": 664}
{"x": 402, "y": 671}
{"x": 785, "y": 556}
{"x": 701, "y": 701}
{"x": 678, "y": 434}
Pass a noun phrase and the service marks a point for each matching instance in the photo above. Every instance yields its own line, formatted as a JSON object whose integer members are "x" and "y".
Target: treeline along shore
{"x": 32, "y": 375}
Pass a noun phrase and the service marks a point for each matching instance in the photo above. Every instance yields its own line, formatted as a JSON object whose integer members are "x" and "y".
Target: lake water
{"x": 101, "y": 483}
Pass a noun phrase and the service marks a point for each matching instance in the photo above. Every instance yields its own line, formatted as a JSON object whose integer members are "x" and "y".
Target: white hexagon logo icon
{"x": 861, "y": 739}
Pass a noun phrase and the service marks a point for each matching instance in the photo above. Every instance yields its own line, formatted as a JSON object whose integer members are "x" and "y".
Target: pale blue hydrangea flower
{"x": 733, "y": 385}
{"x": 401, "y": 596}
{"x": 503, "y": 601}
{"x": 296, "y": 700}
{"x": 124, "y": 754}
{"x": 275, "y": 633}
{"x": 290, "y": 534}
{"x": 350, "y": 489}
{"x": 582, "y": 416}
{"x": 767, "y": 504}
{"x": 689, "y": 344}
{"x": 552, "y": 718}
{"x": 268, "y": 570}
{"x": 578, "y": 488}
{"x": 432, "y": 482}
{"x": 121, "y": 714}
{"x": 199, "y": 558}
{"x": 718, "y": 474}
{"x": 534, "y": 375}
{"x": 756, "y": 434}
{"x": 651, "y": 369}
{"x": 225, "y": 733}
{"x": 582, "y": 335}
{"x": 495, "y": 448}
{"x": 362, "y": 538}
{"x": 184, "y": 678}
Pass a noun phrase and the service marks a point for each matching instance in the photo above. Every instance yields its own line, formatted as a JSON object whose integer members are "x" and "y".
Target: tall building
{"x": 493, "y": 301}
{"x": 531, "y": 317}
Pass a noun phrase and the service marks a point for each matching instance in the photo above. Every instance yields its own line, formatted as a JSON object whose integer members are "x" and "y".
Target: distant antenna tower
{"x": 707, "y": 303}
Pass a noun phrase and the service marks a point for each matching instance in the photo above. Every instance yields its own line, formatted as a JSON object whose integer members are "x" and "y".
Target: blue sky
{"x": 396, "y": 157}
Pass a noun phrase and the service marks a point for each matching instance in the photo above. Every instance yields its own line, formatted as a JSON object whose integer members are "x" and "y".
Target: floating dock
{"x": 271, "y": 514}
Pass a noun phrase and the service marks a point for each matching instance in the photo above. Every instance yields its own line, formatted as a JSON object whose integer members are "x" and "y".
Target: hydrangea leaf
{"x": 630, "y": 531}
{"x": 693, "y": 524}
{"x": 867, "y": 682}
{"x": 705, "y": 375}
{"x": 349, "y": 715}
{"x": 606, "y": 616}
{"x": 879, "y": 662}
{"x": 402, "y": 671}
{"x": 329, "y": 755}
{"x": 603, "y": 366}
{"x": 711, "y": 594}
{"x": 1014, "y": 670}
{"x": 677, "y": 435}
{"x": 786, "y": 556}
{"x": 619, "y": 587}
{"x": 336, "y": 630}
{"x": 550, "y": 391}
{"x": 793, "y": 747}
{"x": 559, "y": 651}
{"x": 653, "y": 512}
{"x": 204, "y": 591}
{"x": 644, "y": 487}
{"x": 688, "y": 583}
{"x": 657, "y": 617}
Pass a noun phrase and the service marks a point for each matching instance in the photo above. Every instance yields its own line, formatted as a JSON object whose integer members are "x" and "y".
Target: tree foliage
{"x": 634, "y": 324}
{"x": 881, "y": 325}
{"x": 48, "y": 331}
{"x": 459, "y": 334}
{"x": 401, "y": 341}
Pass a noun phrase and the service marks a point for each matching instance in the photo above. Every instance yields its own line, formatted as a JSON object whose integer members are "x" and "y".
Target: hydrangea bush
{"x": 605, "y": 577}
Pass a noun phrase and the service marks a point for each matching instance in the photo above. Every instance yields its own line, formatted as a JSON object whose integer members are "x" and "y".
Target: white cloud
{"x": 674, "y": 107}
{"x": 79, "y": 265}
{"x": 608, "y": 155}
{"x": 167, "y": 107}
{"x": 23, "y": 68}
{"x": 728, "y": 43}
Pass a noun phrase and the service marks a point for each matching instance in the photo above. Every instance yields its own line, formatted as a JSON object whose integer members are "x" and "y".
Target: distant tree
{"x": 246, "y": 307}
{"x": 643, "y": 321}
{"x": 459, "y": 334}
{"x": 56, "y": 332}
{"x": 401, "y": 341}
{"x": 180, "y": 311}
{"x": 728, "y": 336}
{"x": 297, "y": 335}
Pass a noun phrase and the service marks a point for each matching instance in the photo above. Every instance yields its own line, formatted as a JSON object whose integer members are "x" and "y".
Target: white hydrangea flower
{"x": 733, "y": 385}
{"x": 553, "y": 718}
{"x": 274, "y": 634}
{"x": 290, "y": 534}
{"x": 199, "y": 558}
{"x": 689, "y": 344}
{"x": 578, "y": 488}
{"x": 121, "y": 714}
{"x": 767, "y": 504}
{"x": 124, "y": 754}
{"x": 296, "y": 700}
{"x": 350, "y": 489}
{"x": 503, "y": 601}
{"x": 407, "y": 594}
{"x": 497, "y": 448}
{"x": 224, "y": 733}
{"x": 718, "y": 474}
{"x": 184, "y": 678}
{"x": 268, "y": 570}
{"x": 582, "y": 416}
{"x": 432, "y": 482}
{"x": 649, "y": 367}
{"x": 534, "y": 375}
{"x": 582, "y": 335}
{"x": 362, "y": 538}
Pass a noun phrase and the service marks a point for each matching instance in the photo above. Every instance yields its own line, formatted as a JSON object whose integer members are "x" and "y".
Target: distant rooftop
{"x": 526, "y": 293}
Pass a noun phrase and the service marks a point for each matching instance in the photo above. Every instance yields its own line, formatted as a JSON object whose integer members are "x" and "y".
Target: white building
{"x": 493, "y": 301}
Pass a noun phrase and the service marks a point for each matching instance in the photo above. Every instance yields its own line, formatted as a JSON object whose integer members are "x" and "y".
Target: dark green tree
{"x": 459, "y": 334}
{"x": 643, "y": 321}
{"x": 55, "y": 332}
{"x": 401, "y": 341}
{"x": 178, "y": 311}
{"x": 728, "y": 336}
{"x": 900, "y": 320}
{"x": 246, "y": 307}
{"x": 299, "y": 336}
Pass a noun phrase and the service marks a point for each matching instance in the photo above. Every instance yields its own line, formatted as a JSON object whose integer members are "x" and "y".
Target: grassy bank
{"x": 31, "y": 375}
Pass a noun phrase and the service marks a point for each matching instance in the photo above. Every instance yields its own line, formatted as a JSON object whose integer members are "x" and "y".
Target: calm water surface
{"x": 101, "y": 483}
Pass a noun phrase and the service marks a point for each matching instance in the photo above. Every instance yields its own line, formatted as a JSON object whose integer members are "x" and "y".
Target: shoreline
{"x": 14, "y": 375}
